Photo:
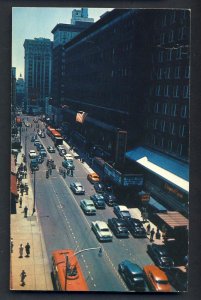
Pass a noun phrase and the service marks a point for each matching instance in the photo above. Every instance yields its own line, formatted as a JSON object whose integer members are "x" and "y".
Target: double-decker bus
{"x": 67, "y": 272}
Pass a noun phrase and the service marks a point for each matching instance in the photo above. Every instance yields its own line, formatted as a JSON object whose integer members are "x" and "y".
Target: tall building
{"x": 130, "y": 71}
{"x": 38, "y": 70}
{"x": 80, "y": 15}
{"x": 62, "y": 33}
{"x": 20, "y": 91}
{"x": 13, "y": 87}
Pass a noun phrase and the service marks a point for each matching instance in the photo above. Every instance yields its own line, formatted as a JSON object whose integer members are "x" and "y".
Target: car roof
{"x": 32, "y": 151}
{"x": 156, "y": 272}
{"x": 122, "y": 207}
{"x": 101, "y": 224}
{"x": 134, "y": 268}
{"x": 88, "y": 201}
{"x": 118, "y": 221}
{"x": 77, "y": 183}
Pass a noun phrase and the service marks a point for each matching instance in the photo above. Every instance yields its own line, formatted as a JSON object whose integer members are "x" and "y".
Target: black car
{"x": 136, "y": 228}
{"x": 132, "y": 275}
{"x": 160, "y": 256}
{"x": 99, "y": 187}
{"x": 110, "y": 199}
{"x": 98, "y": 200}
{"x": 118, "y": 226}
{"x": 177, "y": 278}
{"x": 34, "y": 165}
{"x": 51, "y": 149}
{"x": 40, "y": 159}
{"x": 33, "y": 139}
{"x": 68, "y": 164}
{"x": 39, "y": 147}
{"x": 62, "y": 152}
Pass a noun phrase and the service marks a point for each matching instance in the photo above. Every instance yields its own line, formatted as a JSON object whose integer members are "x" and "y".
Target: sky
{"x": 35, "y": 22}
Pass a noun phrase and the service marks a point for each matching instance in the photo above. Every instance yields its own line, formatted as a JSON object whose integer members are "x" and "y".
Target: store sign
{"x": 173, "y": 190}
{"x": 132, "y": 180}
{"x": 114, "y": 175}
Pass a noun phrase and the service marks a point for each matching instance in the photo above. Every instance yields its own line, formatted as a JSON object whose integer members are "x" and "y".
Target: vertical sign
{"x": 121, "y": 147}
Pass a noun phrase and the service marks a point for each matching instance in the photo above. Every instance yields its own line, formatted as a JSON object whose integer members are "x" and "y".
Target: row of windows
{"x": 173, "y": 110}
{"x": 171, "y": 18}
{"x": 167, "y": 90}
{"x": 171, "y": 54}
{"x": 168, "y": 127}
{"x": 172, "y": 72}
{"x": 173, "y": 36}
{"x": 171, "y": 146}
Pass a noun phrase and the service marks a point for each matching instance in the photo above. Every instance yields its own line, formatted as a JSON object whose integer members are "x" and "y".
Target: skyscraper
{"x": 80, "y": 15}
{"x": 38, "y": 68}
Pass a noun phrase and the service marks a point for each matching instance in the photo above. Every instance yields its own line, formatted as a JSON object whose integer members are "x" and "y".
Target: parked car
{"x": 68, "y": 164}
{"x": 156, "y": 279}
{"x": 136, "y": 228}
{"x": 32, "y": 154}
{"x": 88, "y": 207}
{"x": 99, "y": 187}
{"x": 93, "y": 177}
{"x": 101, "y": 231}
{"x": 178, "y": 279}
{"x": 68, "y": 157}
{"x": 34, "y": 165}
{"x": 51, "y": 149}
{"x": 77, "y": 188}
{"x": 43, "y": 152}
{"x": 36, "y": 142}
{"x": 40, "y": 159}
{"x": 98, "y": 200}
{"x": 62, "y": 152}
{"x": 132, "y": 275}
{"x": 33, "y": 139}
{"x": 160, "y": 256}
{"x": 110, "y": 199}
{"x": 118, "y": 226}
{"x": 122, "y": 211}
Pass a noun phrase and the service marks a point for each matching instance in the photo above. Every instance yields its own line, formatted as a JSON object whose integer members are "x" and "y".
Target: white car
{"x": 32, "y": 154}
{"x": 122, "y": 211}
{"x": 77, "y": 188}
{"x": 68, "y": 157}
{"x": 59, "y": 147}
{"x": 88, "y": 207}
{"x": 102, "y": 231}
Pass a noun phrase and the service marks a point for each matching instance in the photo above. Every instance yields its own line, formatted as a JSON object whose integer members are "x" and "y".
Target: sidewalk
{"x": 25, "y": 230}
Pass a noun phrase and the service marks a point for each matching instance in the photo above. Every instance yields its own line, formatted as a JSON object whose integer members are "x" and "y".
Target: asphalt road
{"x": 64, "y": 224}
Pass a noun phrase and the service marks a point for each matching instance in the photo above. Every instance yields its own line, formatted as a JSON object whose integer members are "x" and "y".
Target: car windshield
{"x": 162, "y": 281}
{"x": 125, "y": 213}
{"x": 105, "y": 229}
{"x": 90, "y": 204}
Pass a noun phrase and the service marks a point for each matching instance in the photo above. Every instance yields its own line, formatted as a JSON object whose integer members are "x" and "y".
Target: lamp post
{"x": 34, "y": 204}
{"x": 78, "y": 252}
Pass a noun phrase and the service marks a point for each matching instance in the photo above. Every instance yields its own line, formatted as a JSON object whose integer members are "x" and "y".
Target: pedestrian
{"x": 25, "y": 168}
{"x": 25, "y": 174}
{"x": 22, "y": 191}
{"x": 25, "y": 211}
{"x": 33, "y": 211}
{"x": 27, "y": 249}
{"x": 68, "y": 171}
{"x": 50, "y": 170}
{"x": 23, "y": 276}
{"x": 72, "y": 172}
{"x": 26, "y": 189}
{"x": 21, "y": 249}
{"x": 64, "y": 173}
{"x": 20, "y": 202}
{"x": 152, "y": 233}
{"x": 158, "y": 235}
{"x": 148, "y": 229}
{"x": 11, "y": 245}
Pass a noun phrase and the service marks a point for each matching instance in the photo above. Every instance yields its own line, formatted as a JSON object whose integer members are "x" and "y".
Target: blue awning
{"x": 169, "y": 168}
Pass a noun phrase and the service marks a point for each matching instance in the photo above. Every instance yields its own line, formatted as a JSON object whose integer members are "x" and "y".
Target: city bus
{"x": 49, "y": 130}
{"x": 67, "y": 272}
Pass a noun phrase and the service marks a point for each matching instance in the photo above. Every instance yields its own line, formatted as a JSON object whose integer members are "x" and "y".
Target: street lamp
{"x": 76, "y": 253}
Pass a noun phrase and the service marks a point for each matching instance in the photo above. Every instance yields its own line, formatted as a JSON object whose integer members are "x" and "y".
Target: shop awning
{"x": 174, "y": 219}
{"x": 174, "y": 171}
{"x": 13, "y": 185}
{"x": 13, "y": 166}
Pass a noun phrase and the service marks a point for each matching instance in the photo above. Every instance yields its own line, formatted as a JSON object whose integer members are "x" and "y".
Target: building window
{"x": 159, "y": 73}
{"x": 162, "y": 142}
{"x": 156, "y": 107}
{"x": 186, "y": 91}
{"x": 177, "y": 72}
{"x": 162, "y": 38}
{"x": 162, "y": 125}
{"x": 158, "y": 90}
{"x": 165, "y": 108}
{"x": 167, "y": 91}
{"x": 176, "y": 91}
{"x": 164, "y": 20}
{"x": 170, "y": 145}
{"x": 169, "y": 54}
{"x": 171, "y": 36}
{"x": 173, "y": 17}
{"x": 179, "y": 149}
{"x": 155, "y": 123}
{"x": 167, "y": 72}
{"x": 161, "y": 53}
{"x": 174, "y": 110}
{"x": 187, "y": 72}
{"x": 178, "y": 53}
{"x": 182, "y": 130}
{"x": 172, "y": 128}
{"x": 184, "y": 111}
{"x": 153, "y": 139}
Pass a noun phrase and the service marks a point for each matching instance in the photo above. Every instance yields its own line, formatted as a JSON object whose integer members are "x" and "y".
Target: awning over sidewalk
{"x": 174, "y": 219}
{"x": 13, "y": 185}
{"x": 13, "y": 166}
{"x": 174, "y": 171}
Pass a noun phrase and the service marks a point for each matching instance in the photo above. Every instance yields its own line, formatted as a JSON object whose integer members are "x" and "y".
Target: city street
{"x": 64, "y": 224}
